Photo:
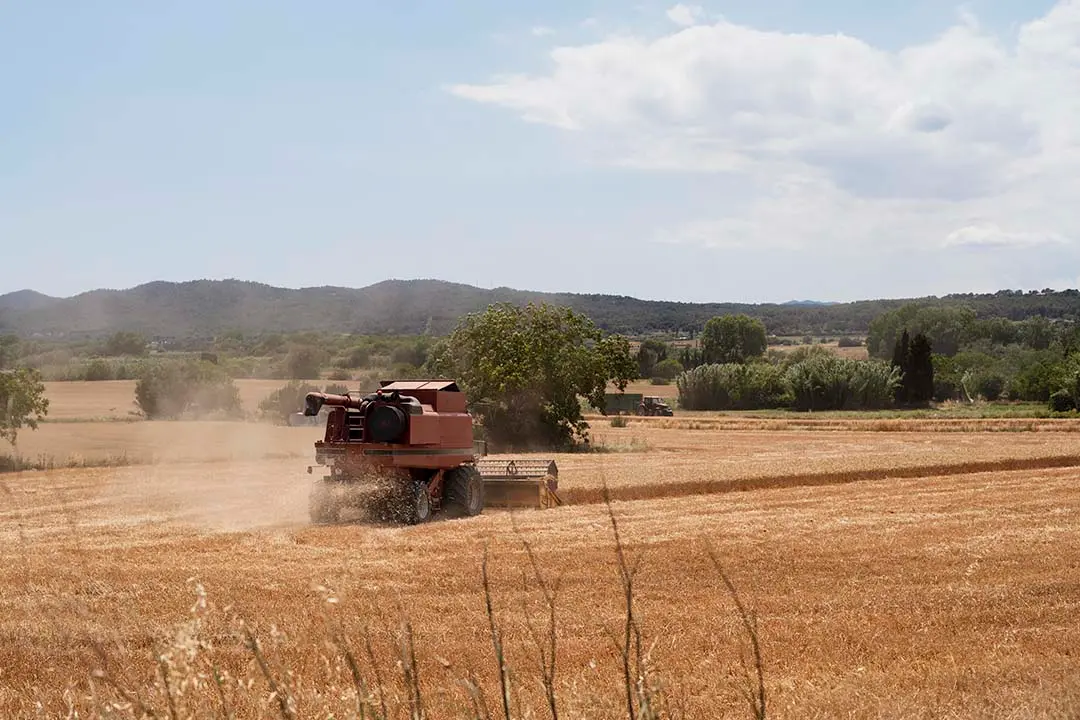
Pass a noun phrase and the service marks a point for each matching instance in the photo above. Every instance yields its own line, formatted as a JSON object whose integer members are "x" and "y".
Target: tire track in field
{"x": 892, "y": 425}
{"x": 593, "y": 495}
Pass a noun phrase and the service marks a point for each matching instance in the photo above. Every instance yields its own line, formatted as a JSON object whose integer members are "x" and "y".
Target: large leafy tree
{"x": 22, "y": 394}
{"x": 733, "y": 339}
{"x": 945, "y": 328}
{"x": 525, "y": 368}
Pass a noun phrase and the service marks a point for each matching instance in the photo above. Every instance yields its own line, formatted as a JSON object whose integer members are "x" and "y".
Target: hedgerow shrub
{"x": 732, "y": 386}
{"x": 988, "y": 384}
{"x": 1062, "y": 401}
{"x": 828, "y": 382}
{"x": 278, "y": 405}
{"x": 182, "y": 388}
{"x": 97, "y": 370}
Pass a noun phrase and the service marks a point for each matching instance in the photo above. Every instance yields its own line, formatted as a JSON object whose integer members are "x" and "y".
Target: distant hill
{"x": 210, "y": 307}
{"x": 23, "y": 300}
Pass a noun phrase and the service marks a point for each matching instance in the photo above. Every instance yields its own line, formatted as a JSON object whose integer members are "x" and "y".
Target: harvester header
{"x": 417, "y": 437}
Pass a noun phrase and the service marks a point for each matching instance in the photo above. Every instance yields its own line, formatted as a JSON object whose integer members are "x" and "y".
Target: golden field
{"x": 112, "y": 399}
{"x": 911, "y": 571}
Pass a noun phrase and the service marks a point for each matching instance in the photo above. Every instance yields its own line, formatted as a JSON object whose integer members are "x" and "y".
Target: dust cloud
{"x": 219, "y": 477}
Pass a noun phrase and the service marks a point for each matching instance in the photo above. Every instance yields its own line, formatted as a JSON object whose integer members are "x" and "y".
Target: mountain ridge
{"x": 412, "y": 306}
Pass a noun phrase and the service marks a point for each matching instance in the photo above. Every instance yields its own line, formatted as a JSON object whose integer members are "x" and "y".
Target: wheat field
{"x": 915, "y": 572}
{"x": 115, "y": 399}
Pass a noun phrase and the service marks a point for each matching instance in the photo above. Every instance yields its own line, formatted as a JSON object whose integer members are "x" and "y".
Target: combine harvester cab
{"x": 414, "y": 441}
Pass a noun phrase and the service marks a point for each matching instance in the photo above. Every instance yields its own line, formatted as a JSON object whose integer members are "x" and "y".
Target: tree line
{"x": 527, "y": 369}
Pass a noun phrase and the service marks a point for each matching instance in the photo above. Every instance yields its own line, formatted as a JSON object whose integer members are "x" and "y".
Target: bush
{"x": 619, "y": 421}
{"x": 357, "y": 357}
{"x": 1062, "y": 401}
{"x": 849, "y": 342}
{"x": 340, "y": 374}
{"x": 98, "y": 370}
{"x": 732, "y": 386}
{"x": 946, "y": 388}
{"x": 124, "y": 371}
{"x": 988, "y": 384}
{"x": 828, "y": 382}
{"x": 304, "y": 362}
{"x": 125, "y": 343}
{"x": 186, "y": 388}
{"x": 278, "y": 405}
{"x": 1038, "y": 374}
{"x": 414, "y": 354}
{"x": 659, "y": 381}
{"x": 667, "y": 369}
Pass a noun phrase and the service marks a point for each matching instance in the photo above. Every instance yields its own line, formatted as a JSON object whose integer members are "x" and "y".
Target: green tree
{"x": 9, "y": 351}
{"x": 177, "y": 388}
{"x": 22, "y": 394}
{"x": 305, "y": 362}
{"x": 945, "y": 327}
{"x": 914, "y": 359}
{"x": 526, "y": 368}
{"x": 900, "y": 359}
{"x": 919, "y": 375}
{"x": 667, "y": 369}
{"x": 650, "y": 354}
{"x": 98, "y": 369}
{"x": 733, "y": 339}
{"x": 987, "y": 383}
{"x": 284, "y": 401}
{"x": 22, "y": 401}
{"x": 357, "y": 356}
{"x": 1036, "y": 332}
{"x": 691, "y": 357}
{"x": 125, "y": 343}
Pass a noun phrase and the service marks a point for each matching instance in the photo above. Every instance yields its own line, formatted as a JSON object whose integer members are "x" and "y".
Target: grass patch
{"x": 20, "y": 463}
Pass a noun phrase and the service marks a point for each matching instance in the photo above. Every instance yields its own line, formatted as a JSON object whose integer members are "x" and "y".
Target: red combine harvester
{"x": 413, "y": 441}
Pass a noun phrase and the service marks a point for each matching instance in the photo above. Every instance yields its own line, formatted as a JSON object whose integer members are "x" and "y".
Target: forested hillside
{"x": 204, "y": 307}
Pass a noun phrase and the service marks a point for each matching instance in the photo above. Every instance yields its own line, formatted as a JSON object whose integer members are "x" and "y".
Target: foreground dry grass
{"x": 936, "y": 597}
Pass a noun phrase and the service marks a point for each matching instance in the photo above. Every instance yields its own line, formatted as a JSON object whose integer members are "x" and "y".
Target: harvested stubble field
{"x": 938, "y": 597}
{"x": 115, "y": 399}
{"x": 921, "y": 571}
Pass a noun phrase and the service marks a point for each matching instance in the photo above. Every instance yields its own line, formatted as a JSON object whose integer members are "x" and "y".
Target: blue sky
{"x": 742, "y": 151}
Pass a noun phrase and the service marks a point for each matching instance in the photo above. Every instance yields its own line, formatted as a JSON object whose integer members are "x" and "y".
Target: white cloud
{"x": 988, "y": 234}
{"x": 684, "y": 15}
{"x": 871, "y": 146}
{"x": 541, "y": 31}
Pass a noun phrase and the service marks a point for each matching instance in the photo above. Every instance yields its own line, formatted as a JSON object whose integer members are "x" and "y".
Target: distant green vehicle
{"x": 622, "y": 403}
{"x": 654, "y": 405}
{"x": 635, "y": 404}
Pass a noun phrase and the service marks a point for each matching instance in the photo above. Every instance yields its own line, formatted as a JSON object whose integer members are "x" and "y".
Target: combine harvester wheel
{"x": 465, "y": 491}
